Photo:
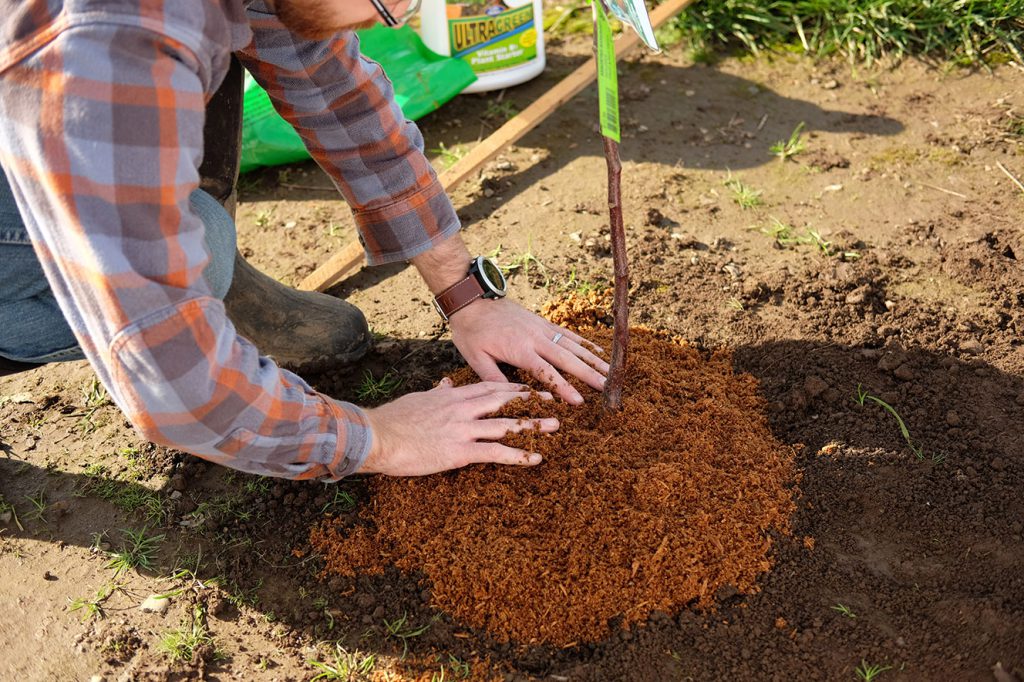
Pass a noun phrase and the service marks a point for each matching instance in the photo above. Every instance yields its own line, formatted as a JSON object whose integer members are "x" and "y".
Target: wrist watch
{"x": 485, "y": 280}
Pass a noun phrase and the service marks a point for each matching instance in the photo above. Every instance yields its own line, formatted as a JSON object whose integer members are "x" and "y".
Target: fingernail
{"x": 550, "y": 424}
{"x": 576, "y": 399}
{"x": 546, "y": 395}
{"x": 534, "y": 458}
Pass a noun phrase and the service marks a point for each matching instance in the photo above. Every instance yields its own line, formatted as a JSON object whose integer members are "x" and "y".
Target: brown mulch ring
{"x": 672, "y": 502}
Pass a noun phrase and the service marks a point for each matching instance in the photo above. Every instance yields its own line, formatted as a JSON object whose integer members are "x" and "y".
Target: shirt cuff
{"x": 354, "y": 440}
{"x": 407, "y": 227}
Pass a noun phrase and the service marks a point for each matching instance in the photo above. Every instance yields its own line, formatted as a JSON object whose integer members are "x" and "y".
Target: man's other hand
{"x": 447, "y": 428}
{"x": 489, "y": 331}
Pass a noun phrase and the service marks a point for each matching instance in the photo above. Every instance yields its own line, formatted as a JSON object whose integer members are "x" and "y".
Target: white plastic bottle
{"x": 503, "y": 40}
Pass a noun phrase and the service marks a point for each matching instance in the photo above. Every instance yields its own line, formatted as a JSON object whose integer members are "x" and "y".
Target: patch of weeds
{"x": 126, "y": 496}
{"x": 258, "y": 485}
{"x": 863, "y": 395}
{"x": 743, "y": 194}
{"x": 867, "y": 673}
{"x": 39, "y": 505}
{"x": 581, "y": 287}
{"x": 347, "y": 665}
{"x": 400, "y": 629}
{"x": 1015, "y": 126}
{"x": 844, "y": 610}
{"x": 523, "y": 262}
{"x": 449, "y": 155}
{"x": 264, "y": 217}
{"x": 459, "y": 669}
{"x": 213, "y": 511}
{"x": 91, "y": 607}
{"x": 191, "y": 637}
{"x": 342, "y": 501}
{"x": 334, "y": 230}
{"x": 95, "y": 396}
{"x": 785, "y": 236}
{"x": 735, "y": 304}
{"x": 137, "y": 552}
{"x": 373, "y": 388}
{"x": 787, "y": 149}
{"x": 503, "y": 109}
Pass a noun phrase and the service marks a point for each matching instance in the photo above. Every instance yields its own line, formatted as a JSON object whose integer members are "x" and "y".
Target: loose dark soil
{"x": 913, "y": 291}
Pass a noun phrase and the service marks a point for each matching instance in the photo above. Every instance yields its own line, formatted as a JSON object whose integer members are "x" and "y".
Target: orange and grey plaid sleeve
{"x": 343, "y": 107}
{"x": 100, "y": 135}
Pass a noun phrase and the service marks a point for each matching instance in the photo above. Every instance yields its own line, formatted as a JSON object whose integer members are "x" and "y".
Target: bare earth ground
{"x": 912, "y": 289}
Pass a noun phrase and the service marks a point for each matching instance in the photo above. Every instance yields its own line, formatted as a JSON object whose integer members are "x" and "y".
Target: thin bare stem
{"x": 620, "y": 305}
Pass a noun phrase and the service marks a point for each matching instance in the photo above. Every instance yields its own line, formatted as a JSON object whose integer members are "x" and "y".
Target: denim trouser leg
{"x": 32, "y": 326}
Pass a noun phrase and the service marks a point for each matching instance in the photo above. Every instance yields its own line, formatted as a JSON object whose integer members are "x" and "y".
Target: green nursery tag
{"x": 607, "y": 77}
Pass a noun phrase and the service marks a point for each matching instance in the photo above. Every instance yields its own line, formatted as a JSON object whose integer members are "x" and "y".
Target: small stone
{"x": 972, "y": 346}
{"x": 50, "y": 576}
{"x": 815, "y": 386}
{"x": 176, "y": 495}
{"x": 177, "y": 482}
{"x": 904, "y": 372}
{"x": 488, "y": 192}
{"x": 154, "y": 603}
{"x": 890, "y": 361}
{"x": 830, "y": 84}
{"x": 857, "y": 295}
{"x": 290, "y": 225}
{"x": 953, "y": 418}
{"x": 96, "y": 678}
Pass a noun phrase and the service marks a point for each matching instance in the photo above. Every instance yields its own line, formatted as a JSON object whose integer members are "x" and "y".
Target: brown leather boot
{"x": 301, "y": 330}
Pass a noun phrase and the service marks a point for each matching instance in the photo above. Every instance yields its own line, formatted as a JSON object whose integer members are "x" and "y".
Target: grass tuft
{"x": 182, "y": 643}
{"x": 967, "y": 32}
{"x": 137, "y": 552}
{"x": 863, "y": 395}
{"x": 867, "y": 673}
{"x": 347, "y": 665}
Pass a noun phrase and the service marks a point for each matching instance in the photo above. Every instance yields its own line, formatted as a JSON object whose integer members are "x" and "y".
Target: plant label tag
{"x": 607, "y": 76}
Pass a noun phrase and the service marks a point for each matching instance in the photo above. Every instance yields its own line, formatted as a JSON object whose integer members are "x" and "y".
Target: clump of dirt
{"x": 671, "y": 502}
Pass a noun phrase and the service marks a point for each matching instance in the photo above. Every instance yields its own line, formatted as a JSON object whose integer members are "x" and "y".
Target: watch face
{"x": 492, "y": 276}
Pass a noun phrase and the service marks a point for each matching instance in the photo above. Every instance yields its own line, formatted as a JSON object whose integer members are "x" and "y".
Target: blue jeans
{"x": 32, "y": 326}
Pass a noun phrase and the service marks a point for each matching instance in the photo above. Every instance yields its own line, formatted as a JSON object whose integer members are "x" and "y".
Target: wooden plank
{"x": 350, "y": 257}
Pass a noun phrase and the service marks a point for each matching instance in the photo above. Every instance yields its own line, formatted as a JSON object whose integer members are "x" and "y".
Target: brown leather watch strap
{"x": 458, "y": 296}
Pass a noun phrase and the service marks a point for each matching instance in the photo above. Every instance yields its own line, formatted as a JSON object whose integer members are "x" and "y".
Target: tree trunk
{"x": 620, "y": 306}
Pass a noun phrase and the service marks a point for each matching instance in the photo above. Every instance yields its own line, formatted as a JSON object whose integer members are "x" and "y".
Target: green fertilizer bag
{"x": 423, "y": 82}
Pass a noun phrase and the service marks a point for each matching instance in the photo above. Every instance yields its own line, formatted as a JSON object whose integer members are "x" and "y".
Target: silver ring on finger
{"x": 557, "y": 338}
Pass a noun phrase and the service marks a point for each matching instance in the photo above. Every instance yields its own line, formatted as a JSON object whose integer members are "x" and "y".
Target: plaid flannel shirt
{"x": 101, "y": 123}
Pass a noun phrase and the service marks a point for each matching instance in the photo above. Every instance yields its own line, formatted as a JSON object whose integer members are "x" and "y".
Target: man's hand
{"x": 490, "y": 331}
{"x": 445, "y": 428}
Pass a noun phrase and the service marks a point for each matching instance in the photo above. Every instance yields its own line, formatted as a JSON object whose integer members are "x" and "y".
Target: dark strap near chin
{"x": 459, "y": 295}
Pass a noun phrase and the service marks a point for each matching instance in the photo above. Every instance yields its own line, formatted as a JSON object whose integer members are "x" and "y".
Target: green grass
{"x": 378, "y": 388}
{"x": 964, "y": 31}
{"x": 785, "y": 235}
{"x": 787, "y": 149}
{"x": 342, "y": 501}
{"x": 347, "y": 665}
{"x": 137, "y": 552}
{"x": 91, "y": 607}
{"x": 39, "y": 506}
{"x": 8, "y": 508}
{"x": 449, "y": 155}
{"x": 844, "y": 610}
{"x": 743, "y": 194}
{"x": 863, "y": 396}
{"x": 867, "y": 673}
{"x": 181, "y": 644}
{"x": 127, "y": 496}
{"x": 400, "y": 629}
